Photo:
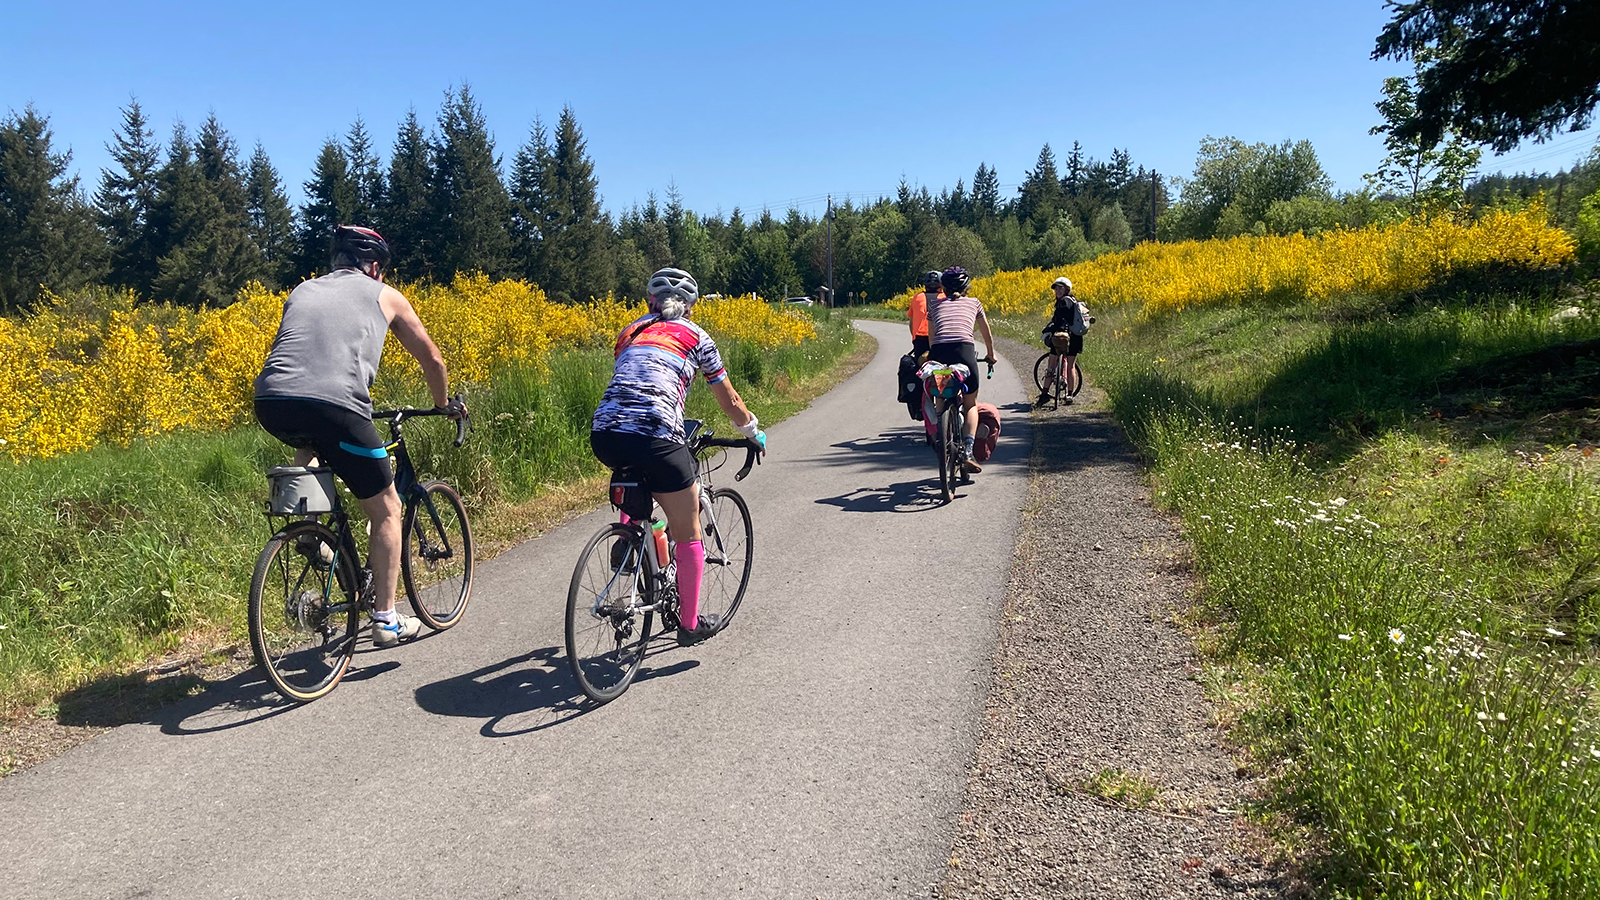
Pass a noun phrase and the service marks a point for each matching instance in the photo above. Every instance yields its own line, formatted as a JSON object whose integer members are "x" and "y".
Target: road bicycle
{"x": 625, "y": 576}
{"x": 942, "y": 385}
{"x": 1058, "y": 389}
{"x": 310, "y": 586}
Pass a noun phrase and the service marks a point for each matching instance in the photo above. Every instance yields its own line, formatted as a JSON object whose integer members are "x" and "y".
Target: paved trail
{"x": 819, "y": 748}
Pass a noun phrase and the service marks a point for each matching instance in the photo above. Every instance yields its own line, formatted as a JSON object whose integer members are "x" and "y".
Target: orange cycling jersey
{"x": 918, "y": 313}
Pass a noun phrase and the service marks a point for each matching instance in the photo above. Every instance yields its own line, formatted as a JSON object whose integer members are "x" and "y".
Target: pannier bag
{"x": 910, "y": 386}
{"x": 988, "y": 431}
{"x": 299, "y": 491}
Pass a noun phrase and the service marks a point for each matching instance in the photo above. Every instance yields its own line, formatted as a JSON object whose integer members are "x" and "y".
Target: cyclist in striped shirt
{"x": 951, "y": 320}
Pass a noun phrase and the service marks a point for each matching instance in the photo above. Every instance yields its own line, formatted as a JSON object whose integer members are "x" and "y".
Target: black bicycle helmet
{"x": 931, "y": 279}
{"x": 955, "y": 280}
{"x": 360, "y": 244}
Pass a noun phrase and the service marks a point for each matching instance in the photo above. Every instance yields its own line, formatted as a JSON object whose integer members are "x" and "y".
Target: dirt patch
{"x": 1099, "y": 772}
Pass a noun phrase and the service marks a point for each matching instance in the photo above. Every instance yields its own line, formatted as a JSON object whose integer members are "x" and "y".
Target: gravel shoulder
{"x": 1099, "y": 772}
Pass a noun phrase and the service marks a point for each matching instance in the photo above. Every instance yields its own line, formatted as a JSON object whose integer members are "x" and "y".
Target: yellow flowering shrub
{"x": 1391, "y": 259}
{"x": 79, "y": 372}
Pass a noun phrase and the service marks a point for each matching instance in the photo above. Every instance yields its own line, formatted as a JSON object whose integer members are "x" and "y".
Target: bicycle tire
{"x": 957, "y": 428}
{"x": 728, "y": 545}
{"x": 608, "y": 612}
{"x": 436, "y": 565}
{"x": 302, "y": 668}
{"x": 1040, "y": 367}
{"x": 941, "y": 447}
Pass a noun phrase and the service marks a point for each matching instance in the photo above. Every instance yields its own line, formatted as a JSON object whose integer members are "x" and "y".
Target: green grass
{"x": 116, "y": 555}
{"x": 1394, "y": 509}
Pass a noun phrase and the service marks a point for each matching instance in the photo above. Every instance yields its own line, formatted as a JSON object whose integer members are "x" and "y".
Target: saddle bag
{"x": 630, "y": 496}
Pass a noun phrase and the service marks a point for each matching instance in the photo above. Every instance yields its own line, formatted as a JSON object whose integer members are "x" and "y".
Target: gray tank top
{"x": 329, "y": 343}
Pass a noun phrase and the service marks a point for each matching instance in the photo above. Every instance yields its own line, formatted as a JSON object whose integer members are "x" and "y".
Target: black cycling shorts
{"x": 964, "y": 352}
{"x": 344, "y": 441}
{"x": 919, "y": 345}
{"x": 663, "y": 466}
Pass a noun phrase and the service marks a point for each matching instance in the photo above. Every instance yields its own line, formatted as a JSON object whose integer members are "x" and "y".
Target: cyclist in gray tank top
{"x": 313, "y": 394}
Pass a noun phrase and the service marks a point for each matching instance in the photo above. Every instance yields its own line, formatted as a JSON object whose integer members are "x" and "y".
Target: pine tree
{"x": 330, "y": 201}
{"x": 210, "y": 252}
{"x": 530, "y": 188}
{"x": 48, "y": 236}
{"x": 125, "y": 200}
{"x": 1038, "y": 199}
{"x": 577, "y": 232}
{"x": 985, "y": 195}
{"x": 469, "y": 199}
{"x": 271, "y": 221}
{"x": 366, "y": 174}
{"x": 405, "y": 216}
{"x": 1072, "y": 182}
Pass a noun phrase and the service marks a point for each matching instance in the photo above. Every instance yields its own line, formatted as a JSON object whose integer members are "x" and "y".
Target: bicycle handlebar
{"x": 397, "y": 416}
{"x": 752, "y": 455}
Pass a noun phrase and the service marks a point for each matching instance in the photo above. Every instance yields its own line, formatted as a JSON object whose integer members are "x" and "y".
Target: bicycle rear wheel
{"x": 303, "y": 615}
{"x": 436, "y": 567}
{"x": 609, "y": 612}
{"x": 941, "y": 446}
{"x": 728, "y": 536}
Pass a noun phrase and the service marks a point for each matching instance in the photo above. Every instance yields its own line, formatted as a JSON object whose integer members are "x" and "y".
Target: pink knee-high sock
{"x": 691, "y": 559}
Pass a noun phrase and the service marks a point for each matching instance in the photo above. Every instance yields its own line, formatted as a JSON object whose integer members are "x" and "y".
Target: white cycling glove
{"x": 750, "y": 428}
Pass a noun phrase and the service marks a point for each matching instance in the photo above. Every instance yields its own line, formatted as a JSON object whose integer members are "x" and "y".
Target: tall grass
{"x": 112, "y": 555}
{"x": 1394, "y": 511}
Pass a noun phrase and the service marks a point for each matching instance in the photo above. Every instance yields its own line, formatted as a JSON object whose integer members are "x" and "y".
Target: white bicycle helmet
{"x": 672, "y": 293}
{"x": 1064, "y": 281}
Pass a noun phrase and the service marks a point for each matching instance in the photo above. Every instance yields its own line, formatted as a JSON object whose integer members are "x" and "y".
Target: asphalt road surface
{"x": 818, "y": 748}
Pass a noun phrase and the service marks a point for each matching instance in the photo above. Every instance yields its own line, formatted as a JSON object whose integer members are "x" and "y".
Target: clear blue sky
{"x": 740, "y": 104}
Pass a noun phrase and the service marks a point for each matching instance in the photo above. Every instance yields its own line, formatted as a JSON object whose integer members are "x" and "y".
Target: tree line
{"x": 193, "y": 219}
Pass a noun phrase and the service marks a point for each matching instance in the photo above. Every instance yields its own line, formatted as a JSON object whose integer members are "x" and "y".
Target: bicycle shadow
{"x": 893, "y": 450}
{"x": 904, "y": 497}
{"x": 537, "y": 684}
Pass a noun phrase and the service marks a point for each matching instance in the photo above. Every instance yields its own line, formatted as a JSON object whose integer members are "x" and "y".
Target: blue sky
{"x": 750, "y": 104}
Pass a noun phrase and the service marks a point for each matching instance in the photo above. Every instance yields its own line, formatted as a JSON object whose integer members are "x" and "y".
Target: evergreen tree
{"x": 692, "y": 249}
{"x": 271, "y": 221}
{"x": 330, "y": 202}
{"x": 1072, "y": 182}
{"x": 472, "y": 206}
{"x": 48, "y": 236}
{"x": 576, "y": 230}
{"x": 530, "y": 174}
{"x": 405, "y": 217}
{"x": 210, "y": 252}
{"x": 1038, "y": 199}
{"x": 125, "y": 200}
{"x": 985, "y": 195}
{"x": 366, "y": 175}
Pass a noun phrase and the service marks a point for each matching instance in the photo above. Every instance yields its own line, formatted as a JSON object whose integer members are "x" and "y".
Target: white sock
{"x": 385, "y": 616}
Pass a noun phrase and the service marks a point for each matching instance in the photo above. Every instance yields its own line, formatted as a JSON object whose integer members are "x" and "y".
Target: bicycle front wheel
{"x": 727, "y": 535}
{"x": 436, "y": 566}
{"x": 1041, "y": 374}
{"x": 303, "y": 615}
{"x": 609, "y": 610}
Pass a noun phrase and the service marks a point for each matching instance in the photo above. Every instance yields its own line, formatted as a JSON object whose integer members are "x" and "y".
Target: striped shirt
{"x": 655, "y": 364}
{"x": 950, "y": 321}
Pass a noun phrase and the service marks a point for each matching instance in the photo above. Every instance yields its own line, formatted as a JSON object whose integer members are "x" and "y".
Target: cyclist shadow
{"x": 239, "y": 700}
{"x": 537, "y": 684}
{"x": 904, "y": 497}
{"x": 889, "y": 451}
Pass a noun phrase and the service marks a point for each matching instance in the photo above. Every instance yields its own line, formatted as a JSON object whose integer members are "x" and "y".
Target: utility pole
{"x": 829, "y": 216}
{"x": 1155, "y": 185}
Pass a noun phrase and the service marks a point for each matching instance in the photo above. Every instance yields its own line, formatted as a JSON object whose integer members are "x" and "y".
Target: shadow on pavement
{"x": 905, "y": 497}
{"x": 1074, "y": 439}
{"x": 536, "y": 686}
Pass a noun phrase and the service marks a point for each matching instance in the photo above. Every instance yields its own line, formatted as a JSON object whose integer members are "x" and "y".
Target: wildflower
{"x": 1397, "y": 636}
{"x": 1499, "y": 717}
{"x": 1554, "y": 632}
{"x": 1482, "y": 716}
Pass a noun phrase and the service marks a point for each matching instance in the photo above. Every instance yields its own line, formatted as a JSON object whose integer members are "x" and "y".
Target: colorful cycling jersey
{"x": 656, "y": 360}
{"x": 951, "y": 320}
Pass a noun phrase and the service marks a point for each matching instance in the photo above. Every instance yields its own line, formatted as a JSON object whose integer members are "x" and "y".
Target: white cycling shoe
{"x": 404, "y": 628}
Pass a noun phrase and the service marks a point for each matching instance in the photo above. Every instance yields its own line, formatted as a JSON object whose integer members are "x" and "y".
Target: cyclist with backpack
{"x": 952, "y": 318}
{"x": 1063, "y": 335}
{"x": 639, "y": 424}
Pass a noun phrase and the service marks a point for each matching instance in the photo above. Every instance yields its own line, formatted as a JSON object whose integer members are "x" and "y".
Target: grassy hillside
{"x": 1394, "y": 502}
